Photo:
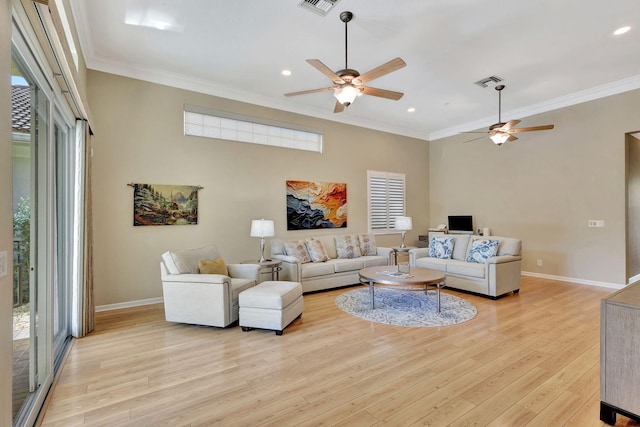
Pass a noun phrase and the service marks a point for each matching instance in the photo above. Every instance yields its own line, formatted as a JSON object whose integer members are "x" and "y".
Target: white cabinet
{"x": 620, "y": 355}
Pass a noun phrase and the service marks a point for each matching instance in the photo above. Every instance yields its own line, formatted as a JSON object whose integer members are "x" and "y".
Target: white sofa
{"x": 497, "y": 276}
{"x": 203, "y": 299}
{"x": 332, "y": 273}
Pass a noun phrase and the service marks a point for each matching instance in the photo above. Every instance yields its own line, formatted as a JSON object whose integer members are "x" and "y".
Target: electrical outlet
{"x": 539, "y": 263}
{"x": 3, "y": 263}
{"x": 596, "y": 223}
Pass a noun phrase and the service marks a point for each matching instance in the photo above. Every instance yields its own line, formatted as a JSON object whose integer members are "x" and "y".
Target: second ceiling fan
{"x": 502, "y": 132}
{"x": 348, "y": 83}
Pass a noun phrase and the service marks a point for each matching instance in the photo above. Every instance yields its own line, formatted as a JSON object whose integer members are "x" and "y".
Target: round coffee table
{"x": 389, "y": 276}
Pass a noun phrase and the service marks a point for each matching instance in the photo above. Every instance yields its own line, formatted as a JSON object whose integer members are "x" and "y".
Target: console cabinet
{"x": 620, "y": 355}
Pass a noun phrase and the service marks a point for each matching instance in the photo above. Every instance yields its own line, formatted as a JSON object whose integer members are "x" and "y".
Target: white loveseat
{"x": 335, "y": 271}
{"x": 203, "y": 299}
{"x": 497, "y": 276}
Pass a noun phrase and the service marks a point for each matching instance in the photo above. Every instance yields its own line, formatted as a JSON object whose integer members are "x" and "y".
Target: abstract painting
{"x": 165, "y": 204}
{"x": 312, "y": 205}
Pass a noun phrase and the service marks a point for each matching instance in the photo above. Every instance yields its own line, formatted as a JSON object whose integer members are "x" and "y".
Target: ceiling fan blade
{"x": 389, "y": 67}
{"x": 339, "y": 108}
{"x": 304, "y": 92}
{"x": 510, "y": 124}
{"x": 545, "y": 127}
{"x": 474, "y": 139}
{"x": 318, "y": 65}
{"x": 382, "y": 93}
{"x": 512, "y": 138}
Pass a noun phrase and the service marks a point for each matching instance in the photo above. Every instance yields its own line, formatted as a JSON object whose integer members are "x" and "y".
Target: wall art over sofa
{"x": 165, "y": 204}
{"x": 312, "y": 205}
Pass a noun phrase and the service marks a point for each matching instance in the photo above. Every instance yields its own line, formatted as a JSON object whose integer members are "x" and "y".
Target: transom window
{"x": 199, "y": 121}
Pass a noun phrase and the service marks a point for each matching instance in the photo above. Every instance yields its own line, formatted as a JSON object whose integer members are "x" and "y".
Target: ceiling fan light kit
{"x": 348, "y": 83}
{"x": 346, "y": 94}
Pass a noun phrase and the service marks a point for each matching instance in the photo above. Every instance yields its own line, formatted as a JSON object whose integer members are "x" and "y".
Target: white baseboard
{"x": 129, "y": 304}
{"x": 574, "y": 280}
{"x": 634, "y": 279}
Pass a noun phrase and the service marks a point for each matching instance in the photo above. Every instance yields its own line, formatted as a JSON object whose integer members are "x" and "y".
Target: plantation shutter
{"x": 386, "y": 192}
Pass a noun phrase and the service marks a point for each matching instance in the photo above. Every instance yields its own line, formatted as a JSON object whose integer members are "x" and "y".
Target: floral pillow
{"x": 297, "y": 249}
{"x": 482, "y": 249}
{"x": 441, "y": 247}
{"x": 316, "y": 250}
{"x": 367, "y": 244}
{"x": 348, "y": 246}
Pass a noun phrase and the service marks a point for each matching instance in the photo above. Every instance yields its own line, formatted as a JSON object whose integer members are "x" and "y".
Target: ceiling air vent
{"x": 321, "y": 7}
{"x": 489, "y": 81}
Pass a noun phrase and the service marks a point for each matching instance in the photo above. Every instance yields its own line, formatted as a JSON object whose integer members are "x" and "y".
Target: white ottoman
{"x": 270, "y": 305}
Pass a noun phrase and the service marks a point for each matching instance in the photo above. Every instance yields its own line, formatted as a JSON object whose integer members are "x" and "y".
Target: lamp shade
{"x": 499, "y": 138}
{"x": 403, "y": 223}
{"x": 346, "y": 94}
{"x": 262, "y": 228}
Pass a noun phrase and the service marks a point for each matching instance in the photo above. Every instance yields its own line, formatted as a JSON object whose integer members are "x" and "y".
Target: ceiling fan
{"x": 502, "y": 132}
{"x": 348, "y": 83}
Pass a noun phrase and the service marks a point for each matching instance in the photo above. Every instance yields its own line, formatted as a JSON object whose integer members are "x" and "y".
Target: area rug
{"x": 406, "y": 308}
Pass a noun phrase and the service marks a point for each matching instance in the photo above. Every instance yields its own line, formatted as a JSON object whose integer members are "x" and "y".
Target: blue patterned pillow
{"x": 441, "y": 247}
{"x": 481, "y": 250}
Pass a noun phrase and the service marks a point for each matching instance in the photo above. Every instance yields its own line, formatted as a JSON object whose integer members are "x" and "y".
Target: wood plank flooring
{"x": 530, "y": 359}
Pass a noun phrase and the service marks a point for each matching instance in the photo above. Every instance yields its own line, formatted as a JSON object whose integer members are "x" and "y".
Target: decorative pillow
{"x": 347, "y": 246}
{"x": 316, "y": 250}
{"x": 441, "y": 247}
{"x": 214, "y": 266}
{"x": 482, "y": 249}
{"x": 297, "y": 249}
{"x": 367, "y": 244}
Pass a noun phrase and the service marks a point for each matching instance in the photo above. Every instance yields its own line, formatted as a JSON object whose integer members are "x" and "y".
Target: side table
{"x": 400, "y": 249}
{"x": 268, "y": 266}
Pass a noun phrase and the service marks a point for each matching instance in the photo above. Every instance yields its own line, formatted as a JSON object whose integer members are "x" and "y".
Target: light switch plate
{"x": 3, "y": 263}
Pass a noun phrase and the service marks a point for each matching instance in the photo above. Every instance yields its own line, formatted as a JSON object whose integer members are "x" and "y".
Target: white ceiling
{"x": 550, "y": 53}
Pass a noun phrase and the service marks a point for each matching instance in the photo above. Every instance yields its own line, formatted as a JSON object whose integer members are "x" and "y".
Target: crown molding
{"x": 597, "y": 92}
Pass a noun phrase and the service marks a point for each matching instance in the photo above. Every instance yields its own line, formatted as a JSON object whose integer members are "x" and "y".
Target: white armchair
{"x": 203, "y": 299}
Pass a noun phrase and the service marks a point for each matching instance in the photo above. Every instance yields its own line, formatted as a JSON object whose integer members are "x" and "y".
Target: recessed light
{"x": 621, "y": 30}
{"x": 411, "y": 110}
{"x": 286, "y": 72}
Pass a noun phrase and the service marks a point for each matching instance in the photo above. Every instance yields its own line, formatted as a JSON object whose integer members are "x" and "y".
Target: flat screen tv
{"x": 461, "y": 223}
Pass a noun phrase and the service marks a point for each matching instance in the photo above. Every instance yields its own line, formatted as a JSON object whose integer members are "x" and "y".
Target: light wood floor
{"x": 525, "y": 360}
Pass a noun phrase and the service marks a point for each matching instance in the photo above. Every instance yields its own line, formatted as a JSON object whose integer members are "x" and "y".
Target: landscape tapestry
{"x": 312, "y": 205}
{"x": 165, "y": 204}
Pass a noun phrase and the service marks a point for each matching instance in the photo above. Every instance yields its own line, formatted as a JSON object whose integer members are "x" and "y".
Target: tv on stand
{"x": 460, "y": 224}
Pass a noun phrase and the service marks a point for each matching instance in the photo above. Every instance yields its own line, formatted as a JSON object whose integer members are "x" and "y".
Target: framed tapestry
{"x": 312, "y": 205}
{"x": 165, "y": 204}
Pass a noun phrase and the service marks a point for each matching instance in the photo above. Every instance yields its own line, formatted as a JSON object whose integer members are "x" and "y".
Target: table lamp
{"x": 262, "y": 228}
{"x": 403, "y": 223}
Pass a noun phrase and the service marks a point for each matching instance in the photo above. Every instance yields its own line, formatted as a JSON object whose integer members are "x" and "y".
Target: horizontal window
{"x": 199, "y": 121}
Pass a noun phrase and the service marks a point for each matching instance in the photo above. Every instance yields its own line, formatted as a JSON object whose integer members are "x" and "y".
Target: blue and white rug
{"x": 406, "y": 308}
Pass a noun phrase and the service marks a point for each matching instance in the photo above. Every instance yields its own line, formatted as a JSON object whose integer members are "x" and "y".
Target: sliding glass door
{"x": 42, "y": 131}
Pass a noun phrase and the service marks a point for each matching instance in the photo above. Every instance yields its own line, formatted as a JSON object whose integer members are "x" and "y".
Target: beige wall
{"x": 140, "y": 139}
{"x": 544, "y": 187}
{"x": 6, "y": 227}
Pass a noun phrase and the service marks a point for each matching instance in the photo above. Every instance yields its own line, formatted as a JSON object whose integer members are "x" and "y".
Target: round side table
{"x": 397, "y": 249}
